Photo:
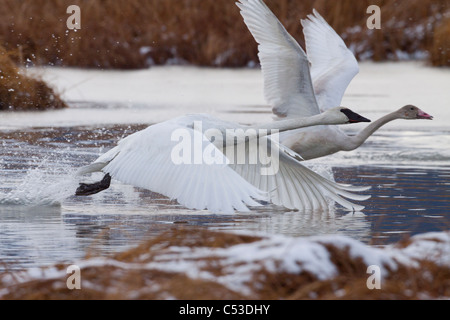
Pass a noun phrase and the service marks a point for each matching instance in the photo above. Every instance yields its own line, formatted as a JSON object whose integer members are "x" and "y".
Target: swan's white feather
{"x": 287, "y": 79}
{"x": 144, "y": 160}
{"x": 333, "y": 65}
{"x": 295, "y": 186}
{"x": 296, "y": 84}
{"x": 329, "y": 63}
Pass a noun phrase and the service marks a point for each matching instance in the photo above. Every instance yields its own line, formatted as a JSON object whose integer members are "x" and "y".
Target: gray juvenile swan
{"x": 300, "y": 85}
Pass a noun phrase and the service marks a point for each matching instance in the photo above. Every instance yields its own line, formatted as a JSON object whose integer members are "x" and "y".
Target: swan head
{"x": 342, "y": 115}
{"x": 411, "y": 112}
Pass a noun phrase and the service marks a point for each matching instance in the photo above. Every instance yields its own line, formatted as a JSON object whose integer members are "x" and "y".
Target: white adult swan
{"x": 297, "y": 85}
{"x": 146, "y": 159}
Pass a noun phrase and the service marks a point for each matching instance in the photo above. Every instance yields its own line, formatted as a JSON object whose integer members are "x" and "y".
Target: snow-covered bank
{"x": 228, "y": 265}
{"x": 101, "y": 98}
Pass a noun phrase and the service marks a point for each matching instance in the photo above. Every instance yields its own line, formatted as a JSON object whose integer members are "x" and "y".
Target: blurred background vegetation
{"x": 132, "y": 34}
{"x": 140, "y": 33}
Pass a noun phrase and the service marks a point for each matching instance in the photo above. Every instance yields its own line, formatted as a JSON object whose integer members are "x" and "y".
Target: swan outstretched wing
{"x": 287, "y": 80}
{"x": 145, "y": 159}
{"x": 294, "y": 186}
{"x": 333, "y": 65}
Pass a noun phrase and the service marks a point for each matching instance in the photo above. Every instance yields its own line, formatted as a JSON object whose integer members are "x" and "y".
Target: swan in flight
{"x": 300, "y": 85}
{"x": 150, "y": 159}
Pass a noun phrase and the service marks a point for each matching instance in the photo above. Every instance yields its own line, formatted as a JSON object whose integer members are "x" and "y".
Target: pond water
{"x": 42, "y": 223}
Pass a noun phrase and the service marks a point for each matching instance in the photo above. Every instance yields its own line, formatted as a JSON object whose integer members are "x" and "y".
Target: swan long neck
{"x": 363, "y": 135}
{"x": 275, "y": 127}
{"x": 292, "y": 124}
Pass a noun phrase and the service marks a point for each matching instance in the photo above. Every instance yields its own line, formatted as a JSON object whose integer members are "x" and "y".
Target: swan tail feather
{"x": 333, "y": 191}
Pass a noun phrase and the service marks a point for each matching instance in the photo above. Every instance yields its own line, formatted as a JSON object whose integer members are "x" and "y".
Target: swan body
{"x": 146, "y": 159}
{"x": 296, "y": 84}
{"x": 321, "y": 141}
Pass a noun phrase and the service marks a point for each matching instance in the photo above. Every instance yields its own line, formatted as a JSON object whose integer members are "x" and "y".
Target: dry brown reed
{"x": 129, "y": 277}
{"x": 19, "y": 91}
{"x": 136, "y": 34}
{"x": 440, "y": 51}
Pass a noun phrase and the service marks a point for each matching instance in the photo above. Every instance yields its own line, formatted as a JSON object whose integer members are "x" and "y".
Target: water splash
{"x": 44, "y": 185}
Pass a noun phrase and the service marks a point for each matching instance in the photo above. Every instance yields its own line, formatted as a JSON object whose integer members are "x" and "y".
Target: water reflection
{"x": 32, "y": 235}
{"x": 405, "y": 200}
{"x": 42, "y": 223}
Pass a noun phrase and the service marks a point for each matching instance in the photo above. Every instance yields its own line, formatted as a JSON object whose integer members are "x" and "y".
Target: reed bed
{"x": 138, "y": 34}
{"x": 440, "y": 51}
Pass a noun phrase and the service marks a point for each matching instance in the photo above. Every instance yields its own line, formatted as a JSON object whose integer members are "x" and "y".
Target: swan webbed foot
{"x": 90, "y": 189}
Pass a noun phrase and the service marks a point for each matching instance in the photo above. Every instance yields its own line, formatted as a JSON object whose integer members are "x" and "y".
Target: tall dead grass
{"x": 18, "y": 91}
{"x": 136, "y": 34}
{"x": 440, "y": 51}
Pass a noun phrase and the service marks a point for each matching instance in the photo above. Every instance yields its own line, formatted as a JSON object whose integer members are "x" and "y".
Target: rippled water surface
{"x": 41, "y": 222}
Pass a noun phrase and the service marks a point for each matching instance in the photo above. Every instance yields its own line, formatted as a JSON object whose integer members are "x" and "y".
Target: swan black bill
{"x": 353, "y": 117}
{"x": 94, "y": 188}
